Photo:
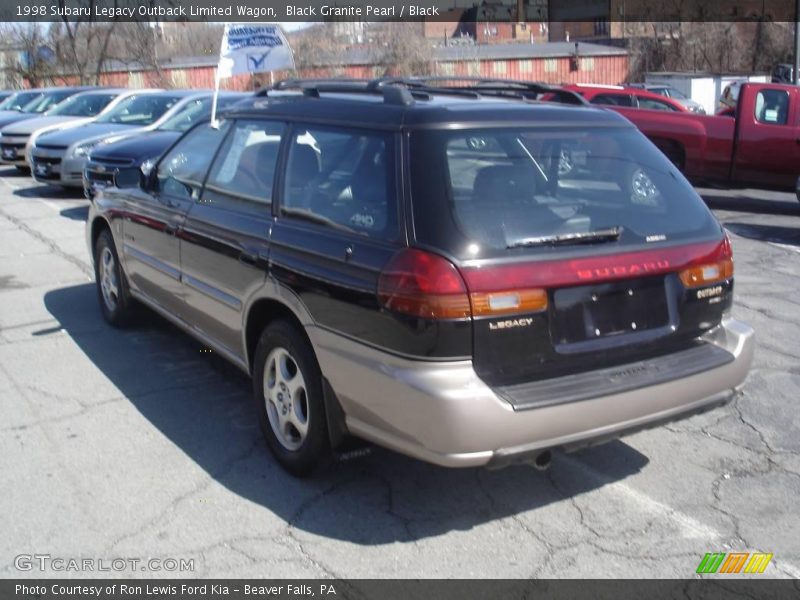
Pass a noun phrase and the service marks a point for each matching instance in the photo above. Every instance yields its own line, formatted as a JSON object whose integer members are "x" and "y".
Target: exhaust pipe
{"x": 539, "y": 460}
{"x": 542, "y": 461}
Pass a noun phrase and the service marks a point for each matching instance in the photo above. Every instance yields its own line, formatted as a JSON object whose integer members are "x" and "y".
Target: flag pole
{"x": 214, "y": 122}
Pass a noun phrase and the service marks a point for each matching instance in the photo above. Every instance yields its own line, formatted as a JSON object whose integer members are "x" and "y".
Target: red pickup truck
{"x": 759, "y": 147}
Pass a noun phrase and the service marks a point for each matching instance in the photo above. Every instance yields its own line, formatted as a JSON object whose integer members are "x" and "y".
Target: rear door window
{"x": 342, "y": 179}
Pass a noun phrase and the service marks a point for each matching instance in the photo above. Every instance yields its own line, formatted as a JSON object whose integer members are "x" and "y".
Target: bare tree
{"x": 401, "y": 49}
{"x": 754, "y": 46}
{"x": 316, "y": 49}
{"x": 34, "y": 61}
{"x": 81, "y": 43}
{"x": 137, "y": 44}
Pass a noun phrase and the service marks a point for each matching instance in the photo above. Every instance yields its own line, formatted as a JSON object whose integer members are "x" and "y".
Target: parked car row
{"x": 52, "y": 132}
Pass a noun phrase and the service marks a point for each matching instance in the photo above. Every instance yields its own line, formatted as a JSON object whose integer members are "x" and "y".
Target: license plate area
{"x": 627, "y": 311}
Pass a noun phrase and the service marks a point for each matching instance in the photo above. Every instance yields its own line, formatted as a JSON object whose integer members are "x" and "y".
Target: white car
{"x": 75, "y": 110}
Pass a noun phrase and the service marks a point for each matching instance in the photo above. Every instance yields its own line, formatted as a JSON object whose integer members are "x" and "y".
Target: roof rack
{"x": 404, "y": 91}
{"x": 526, "y": 90}
{"x": 314, "y": 87}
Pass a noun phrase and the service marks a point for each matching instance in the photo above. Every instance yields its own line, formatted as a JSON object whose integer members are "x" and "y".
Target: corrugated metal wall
{"x": 595, "y": 69}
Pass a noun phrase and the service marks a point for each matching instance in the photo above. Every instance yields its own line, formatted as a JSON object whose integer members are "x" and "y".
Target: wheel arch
{"x": 673, "y": 149}
{"x": 261, "y": 313}
{"x": 98, "y": 225}
{"x": 266, "y": 310}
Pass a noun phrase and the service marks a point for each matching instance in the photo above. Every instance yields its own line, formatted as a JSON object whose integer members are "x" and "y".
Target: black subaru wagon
{"x": 408, "y": 262}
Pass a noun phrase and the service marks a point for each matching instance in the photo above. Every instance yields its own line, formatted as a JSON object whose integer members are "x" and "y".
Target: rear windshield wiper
{"x": 565, "y": 239}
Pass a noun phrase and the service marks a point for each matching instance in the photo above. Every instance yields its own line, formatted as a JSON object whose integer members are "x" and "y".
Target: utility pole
{"x": 795, "y": 78}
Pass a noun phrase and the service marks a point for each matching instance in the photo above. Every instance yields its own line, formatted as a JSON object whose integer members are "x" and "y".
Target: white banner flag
{"x": 253, "y": 48}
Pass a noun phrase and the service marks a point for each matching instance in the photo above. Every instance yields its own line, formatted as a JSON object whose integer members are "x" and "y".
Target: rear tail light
{"x": 429, "y": 286}
{"x": 710, "y": 269}
{"x": 424, "y": 285}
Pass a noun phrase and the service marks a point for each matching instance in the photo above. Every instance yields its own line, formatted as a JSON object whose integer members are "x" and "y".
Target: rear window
{"x": 482, "y": 192}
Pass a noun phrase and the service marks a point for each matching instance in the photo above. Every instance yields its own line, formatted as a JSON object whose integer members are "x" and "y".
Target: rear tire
{"x": 113, "y": 293}
{"x": 287, "y": 389}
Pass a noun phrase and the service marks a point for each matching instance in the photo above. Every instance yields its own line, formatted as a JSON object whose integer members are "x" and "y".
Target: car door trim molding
{"x": 151, "y": 261}
{"x": 213, "y": 292}
{"x": 193, "y": 331}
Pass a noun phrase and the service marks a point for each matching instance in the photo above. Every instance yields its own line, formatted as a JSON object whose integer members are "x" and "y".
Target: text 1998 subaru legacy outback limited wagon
{"x": 405, "y": 262}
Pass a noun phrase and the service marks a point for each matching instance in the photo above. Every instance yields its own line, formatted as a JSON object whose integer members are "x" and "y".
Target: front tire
{"x": 287, "y": 388}
{"x": 113, "y": 295}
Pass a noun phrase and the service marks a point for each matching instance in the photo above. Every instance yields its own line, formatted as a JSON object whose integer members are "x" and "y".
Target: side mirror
{"x": 146, "y": 174}
{"x": 126, "y": 178}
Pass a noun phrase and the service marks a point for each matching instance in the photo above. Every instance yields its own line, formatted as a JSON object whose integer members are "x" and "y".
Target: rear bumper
{"x": 443, "y": 413}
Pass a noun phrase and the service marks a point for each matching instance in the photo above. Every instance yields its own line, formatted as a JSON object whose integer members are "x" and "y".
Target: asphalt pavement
{"x": 137, "y": 445}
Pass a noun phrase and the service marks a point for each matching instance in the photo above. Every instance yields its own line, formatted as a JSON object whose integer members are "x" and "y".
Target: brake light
{"x": 429, "y": 286}
{"x": 424, "y": 285}
{"x": 548, "y": 274}
{"x": 716, "y": 267}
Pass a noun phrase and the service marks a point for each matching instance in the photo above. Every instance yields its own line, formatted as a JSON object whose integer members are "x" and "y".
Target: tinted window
{"x": 139, "y": 110}
{"x": 195, "y": 111}
{"x": 244, "y": 172}
{"x": 654, "y": 104}
{"x": 46, "y": 102}
{"x": 18, "y": 100}
{"x": 342, "y": 178}
{"x": 772, "y": 107}
{"x": 613, "y": 99}
{"x": 484, "y": 190}
{"x": 182, "y": 171}
{"x": 83, "y": 105}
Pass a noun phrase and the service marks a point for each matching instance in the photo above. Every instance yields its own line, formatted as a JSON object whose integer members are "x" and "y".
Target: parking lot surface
{"x": 139, "y": 444}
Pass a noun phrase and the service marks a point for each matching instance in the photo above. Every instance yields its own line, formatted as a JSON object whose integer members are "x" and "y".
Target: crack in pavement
{"x": 54, "y": 247}
{"x": 206, "y": 482}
